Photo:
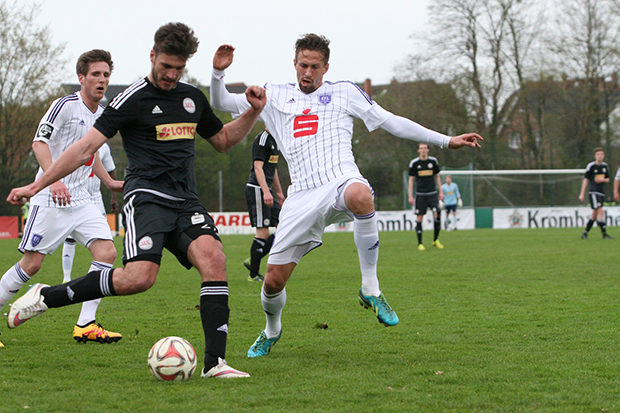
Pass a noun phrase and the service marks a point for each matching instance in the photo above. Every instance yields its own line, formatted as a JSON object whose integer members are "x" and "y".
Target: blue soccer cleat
{"x": 262, "y": 345}
{"x": 381, "y": 308}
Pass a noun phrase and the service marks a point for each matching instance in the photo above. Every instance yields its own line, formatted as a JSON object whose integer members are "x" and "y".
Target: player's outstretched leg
{"x": 27, "y": 306}
{"x": 380, "y": 307}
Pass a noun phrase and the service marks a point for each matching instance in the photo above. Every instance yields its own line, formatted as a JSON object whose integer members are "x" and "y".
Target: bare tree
{"x": 586, "y": 48}
{"x": 30, "y": 72}
{"x": 483, "y": 47}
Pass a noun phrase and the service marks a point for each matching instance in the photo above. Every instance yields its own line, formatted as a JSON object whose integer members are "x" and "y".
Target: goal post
{"x": 515, "y": 187}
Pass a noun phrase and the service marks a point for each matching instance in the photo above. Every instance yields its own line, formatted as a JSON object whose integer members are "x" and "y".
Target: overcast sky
{"x": 369, "y": 37}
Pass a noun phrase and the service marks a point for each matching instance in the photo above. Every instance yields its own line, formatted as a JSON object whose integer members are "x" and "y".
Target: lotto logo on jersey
{"x": 273, "y": 159}
{"x": 173, "y": 131}
{"x": 306, "y": 124}
{"x": 425, "y": 173}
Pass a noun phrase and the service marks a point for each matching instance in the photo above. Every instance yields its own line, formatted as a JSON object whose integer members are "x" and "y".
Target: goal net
{"x": 518, "y": 188}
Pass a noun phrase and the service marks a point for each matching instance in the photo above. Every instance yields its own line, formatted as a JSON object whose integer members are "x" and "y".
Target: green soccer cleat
{"x": 437, "y": 244}
{"x": 262, "y": 345}
{"x": 381, "y": 308}
{"x": 256, "y": 279}
{"x": 421, "y": 247}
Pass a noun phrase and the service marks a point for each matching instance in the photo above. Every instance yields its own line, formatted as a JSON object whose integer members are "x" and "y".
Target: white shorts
{"x": 306, "y": 214}
{"x": 47, "y": 228}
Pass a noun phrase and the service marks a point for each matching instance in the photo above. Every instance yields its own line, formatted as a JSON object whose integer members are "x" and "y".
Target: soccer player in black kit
{"x": 596, "y": 176}
{"x": 263, "y": 207}
{"x": 157, "y": 117}
{"x": 424, "y": 170}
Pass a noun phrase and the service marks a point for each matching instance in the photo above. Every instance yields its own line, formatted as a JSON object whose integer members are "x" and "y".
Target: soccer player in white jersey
{"x": 94, "y": 188}
{"x": 312, "y": 122}
{"x": 65, "y": 207}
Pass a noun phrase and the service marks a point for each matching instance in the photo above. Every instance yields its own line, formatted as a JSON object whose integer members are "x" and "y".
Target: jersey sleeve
{"x": 617, "y": 178}
{"x": 436, "y": 169}
{"x": 106, "y": 158}
{"x": 589, "y": 174}
{"x": 209, "y": 124}
{"x": 412, "y": 170}
{"x": 112, "y": 120}
{"x": 363, "y": 107}
{"x": 259, "y": 151}
{"x": 51, "y": 122}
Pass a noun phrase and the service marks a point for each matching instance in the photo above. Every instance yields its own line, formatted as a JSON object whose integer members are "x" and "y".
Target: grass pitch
{"x": 501, "y": 321}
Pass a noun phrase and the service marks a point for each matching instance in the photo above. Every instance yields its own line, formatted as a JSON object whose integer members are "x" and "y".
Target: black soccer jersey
{"x": 424, "y": 172}
{"x": 158, "y": 129}
{"x": 264, "y": 148}
{"x": 592, "y": 171}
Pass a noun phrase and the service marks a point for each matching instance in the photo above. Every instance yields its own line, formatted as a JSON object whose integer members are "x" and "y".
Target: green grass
{"x": 499, "y": 321}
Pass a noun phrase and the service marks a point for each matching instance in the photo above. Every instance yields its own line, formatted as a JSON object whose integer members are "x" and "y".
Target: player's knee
{"x": 358, "y": 199}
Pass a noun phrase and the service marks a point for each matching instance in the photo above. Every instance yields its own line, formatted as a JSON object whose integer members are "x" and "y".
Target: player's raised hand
{"x": 467, "y": 139}
{"x": 223, "y": 57}
{"x": 256, "y": 97}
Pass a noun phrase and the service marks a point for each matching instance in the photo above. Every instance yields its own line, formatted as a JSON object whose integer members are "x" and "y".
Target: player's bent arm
{"x": 105, "y": 176}
{"x": 617, "y": 190}
{"x": 221, "y": 98}
{"x": 234, "y": 132}
{"x": 75, "y": 156}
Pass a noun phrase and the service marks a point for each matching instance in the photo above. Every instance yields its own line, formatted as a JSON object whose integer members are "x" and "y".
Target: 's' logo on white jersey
{"x": 156, "y": 110}
{"x": 306, "y": 124}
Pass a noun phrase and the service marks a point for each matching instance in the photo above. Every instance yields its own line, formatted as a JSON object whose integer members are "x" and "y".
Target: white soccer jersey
{"x": 617, "y": 178}
{"x": 94, "y": 183}
{"x": 66, "y": 121}
{"x": 314, "y": 131}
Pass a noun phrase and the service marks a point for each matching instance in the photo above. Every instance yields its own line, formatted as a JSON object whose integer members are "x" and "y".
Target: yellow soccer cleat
{"x": 437, "y": 244}
{"x": 421, "y": 247}
{"x": 95, "y": 332}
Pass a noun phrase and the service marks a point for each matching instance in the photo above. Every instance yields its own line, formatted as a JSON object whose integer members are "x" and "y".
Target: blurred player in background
{"x": 94, "y": 187}
{"x": 158, "y": 117}
{"x": 596, "y": 176}
{"x": 451, "y": 200}
{"x": 312, "y": 121}
{"x": 65, "y": 207}
{"x": 264, "y": 197}
{"x": 424, "y": 172}
{"x": 617, "y": 186}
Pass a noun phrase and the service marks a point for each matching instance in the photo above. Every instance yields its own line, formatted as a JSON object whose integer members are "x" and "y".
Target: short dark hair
{"x": 311, "y": 41}
{"x": 176, "y": 39}
{"x": 93, "y": 56}
{"x": 425, "y": 144}
{"x": 599, "y": 149}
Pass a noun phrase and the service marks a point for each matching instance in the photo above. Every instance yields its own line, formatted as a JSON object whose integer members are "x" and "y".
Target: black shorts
{"x": 153, "y": 223}
{"x": 450, "y": 208}
{"x": 596, "y": 200}
{"x": 423, "y": 202}
{"x": 261, "y": 216}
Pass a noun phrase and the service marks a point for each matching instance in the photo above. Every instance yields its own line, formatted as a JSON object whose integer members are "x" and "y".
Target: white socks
{"x": 68, "y": 253}
{"x": 366, "y": 236}
{"x": 273, "y": 305}
{"x": 11, "y": 282}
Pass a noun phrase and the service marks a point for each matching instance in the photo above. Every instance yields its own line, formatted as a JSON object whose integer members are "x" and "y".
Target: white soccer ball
{"x": 172, "y": 359}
